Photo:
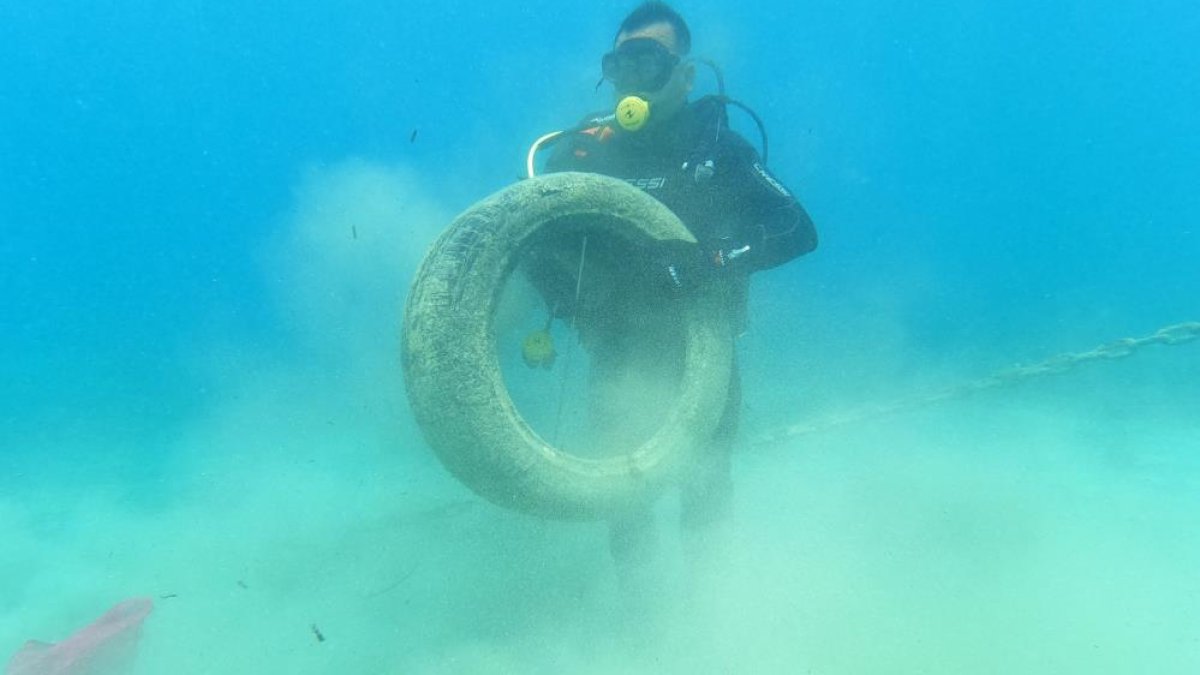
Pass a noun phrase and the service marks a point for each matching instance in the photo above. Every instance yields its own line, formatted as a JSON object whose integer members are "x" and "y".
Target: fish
{"x": 105, "y": 646}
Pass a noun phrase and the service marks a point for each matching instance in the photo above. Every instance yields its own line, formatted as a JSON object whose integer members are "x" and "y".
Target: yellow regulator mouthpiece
{"x": 632, "y": 113}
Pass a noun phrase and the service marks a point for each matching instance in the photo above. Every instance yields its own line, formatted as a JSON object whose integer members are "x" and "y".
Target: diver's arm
{"x": 783, "y": 233}
{"x": 561, "y": 157}
{"x": 772, "y": 223}
{"x": 572, "y": 150}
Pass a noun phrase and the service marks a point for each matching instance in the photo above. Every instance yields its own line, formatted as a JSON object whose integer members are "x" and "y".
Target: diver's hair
{"x": 652, "y": 12}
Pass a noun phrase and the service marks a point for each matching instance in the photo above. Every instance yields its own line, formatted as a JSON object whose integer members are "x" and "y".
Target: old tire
{"x": 452, "y": 370}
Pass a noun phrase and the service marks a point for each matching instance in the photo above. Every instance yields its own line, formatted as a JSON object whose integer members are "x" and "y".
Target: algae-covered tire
{"x": 452, "y": 368}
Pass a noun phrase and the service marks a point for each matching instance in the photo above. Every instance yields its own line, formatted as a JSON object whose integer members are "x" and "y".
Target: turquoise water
{"x": 210, "y": 213}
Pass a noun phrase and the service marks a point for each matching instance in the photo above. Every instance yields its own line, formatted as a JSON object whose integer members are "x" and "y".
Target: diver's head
{"x": 649, "y": 60}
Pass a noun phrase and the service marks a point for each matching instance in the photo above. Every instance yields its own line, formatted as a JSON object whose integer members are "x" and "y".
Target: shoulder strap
{"x": 711, "y": 121}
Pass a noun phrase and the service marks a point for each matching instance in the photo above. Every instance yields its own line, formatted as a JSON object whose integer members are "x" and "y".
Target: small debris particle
{"x": 242, "y": 584}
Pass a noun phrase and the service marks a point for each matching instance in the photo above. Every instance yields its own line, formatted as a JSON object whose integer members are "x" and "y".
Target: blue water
{"x": 994, "y": 183}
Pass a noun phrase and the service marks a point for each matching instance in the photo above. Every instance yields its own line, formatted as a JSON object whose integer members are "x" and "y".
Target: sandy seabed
{"x": 991, "y": 535}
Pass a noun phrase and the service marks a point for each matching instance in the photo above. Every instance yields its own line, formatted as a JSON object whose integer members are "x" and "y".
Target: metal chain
{"x": 1177, "y": 334}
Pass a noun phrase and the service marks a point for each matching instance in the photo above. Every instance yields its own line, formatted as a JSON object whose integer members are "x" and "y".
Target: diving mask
{"x": 639, "y": 64}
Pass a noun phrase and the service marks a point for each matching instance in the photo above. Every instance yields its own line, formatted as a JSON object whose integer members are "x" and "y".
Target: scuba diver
{"x": 684, "y": 154}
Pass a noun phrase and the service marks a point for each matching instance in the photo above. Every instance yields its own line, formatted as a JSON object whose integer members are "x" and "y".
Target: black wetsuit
{"x": 740, "y": 204}
{"x": 714, "y": 180}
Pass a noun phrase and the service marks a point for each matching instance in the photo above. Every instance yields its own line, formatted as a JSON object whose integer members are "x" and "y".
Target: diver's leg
{"x": 632, "y": 538}
{"x": 616, "y": 405}
{"x": 715, "y": 577}
{"x": 706, "y": 499}
{"x": 706, "y": 526}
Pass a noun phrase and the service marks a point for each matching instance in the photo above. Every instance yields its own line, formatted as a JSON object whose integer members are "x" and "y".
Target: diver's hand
{"x": 723, "y": 252}
{"x": 681, "y": 265}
